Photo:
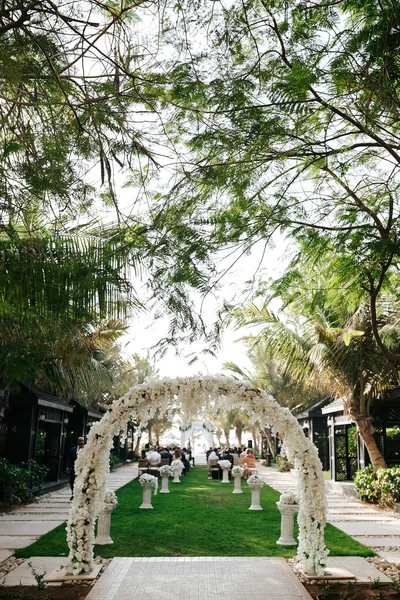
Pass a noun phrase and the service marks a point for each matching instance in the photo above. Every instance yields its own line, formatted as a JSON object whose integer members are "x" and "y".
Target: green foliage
{"x": 282, "y": 463}
{"x": 388, "y": 481}
{"x": 21, "y": 482}
{"x": 382, "y": 487}
{"x": 365, "y": 485}
{"x": 114, "y": 460}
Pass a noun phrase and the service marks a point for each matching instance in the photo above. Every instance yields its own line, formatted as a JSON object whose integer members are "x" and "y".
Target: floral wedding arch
{"x": 142, "y": 401}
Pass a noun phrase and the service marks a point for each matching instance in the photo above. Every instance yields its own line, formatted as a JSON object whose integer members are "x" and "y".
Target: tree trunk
{"x": 149, "y": 431}
{"x": 365, "y": 429}
{"x": 218, "y": 434}
{"x": 239, "y": 433}
{"x": 254, "y": 434}
{"x": 270, "y": 441}
{"x": 137, "y": 445}
{"x": 226, "y": 432}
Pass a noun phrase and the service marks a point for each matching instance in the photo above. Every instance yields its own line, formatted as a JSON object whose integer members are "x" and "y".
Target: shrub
{"x": 388, "y": 481}
{"x": 282, "y": 463}
{"x": 381, "y": 488}
{"x": 114, "y": 460}
{"x": 21, "y": 482}
{"x": 365, "y": 485}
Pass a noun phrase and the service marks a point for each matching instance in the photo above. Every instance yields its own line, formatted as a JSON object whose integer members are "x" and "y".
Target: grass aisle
{"x": 198, "y": 518}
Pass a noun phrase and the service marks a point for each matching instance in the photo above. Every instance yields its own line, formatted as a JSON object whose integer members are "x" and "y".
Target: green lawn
{"x": 198, "y": 518}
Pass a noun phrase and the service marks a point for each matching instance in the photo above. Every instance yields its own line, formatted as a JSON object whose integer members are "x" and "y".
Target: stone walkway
{"x": 199, "y": 578}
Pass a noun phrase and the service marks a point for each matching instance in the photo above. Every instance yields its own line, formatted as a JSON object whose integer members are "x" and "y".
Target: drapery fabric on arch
{"x": 162, "y": 397}
{"x": 205, "y": 427}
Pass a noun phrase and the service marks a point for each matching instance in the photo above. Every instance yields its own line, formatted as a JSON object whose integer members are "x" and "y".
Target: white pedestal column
{"x": 164, "y": 486}
{"x": 104, "y": 525}
{"x": 177, "y": 475}
{"x": 237, "y": 484}
{"x": 146, "y": 503}
{"x": 225, "y": 476}
{"x": 255, "y": 497}
{"x": 287, "y": 524}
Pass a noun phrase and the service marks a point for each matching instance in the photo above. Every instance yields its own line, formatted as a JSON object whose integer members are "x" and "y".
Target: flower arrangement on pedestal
{"x": 288, "y": 506}
{"x": 237, "y": 473}
{"x": 165, "y": 471}
{"x": 225, "y": 466}
{"x": 256, "y": 483}
{"x": 110, "y": 497}
{"x": 148, "y": 482}
{"x": 110, "y": 503}
{"x": 289, "y": 497}
{"x": 177, "y": 467}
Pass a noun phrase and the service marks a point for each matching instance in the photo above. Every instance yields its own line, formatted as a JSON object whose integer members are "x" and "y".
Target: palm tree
{"x": 341, "y": 361}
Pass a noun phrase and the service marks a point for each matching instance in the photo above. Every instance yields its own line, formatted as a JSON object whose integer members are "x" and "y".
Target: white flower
{"x": 177, "y": 465}
{"x": 166, "y": 471}
{"x": 255, "y": 479}
{"x": 147, "y": 479}
{"x": 110, "y": 497}
{"x": 225, "y": 464}
{"x": 289, "y": 497}
{"x": 237, "y": 470}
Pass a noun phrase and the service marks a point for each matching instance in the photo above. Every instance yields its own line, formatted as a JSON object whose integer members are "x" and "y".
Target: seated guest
{"x": 153, "y": 458}
{"x": 165, "y": 453}
{"x": 212, "y": 456}
{"x": 250, "y": 460}
{"x": 185, "y": 461}
{"x": 228, "y": 456}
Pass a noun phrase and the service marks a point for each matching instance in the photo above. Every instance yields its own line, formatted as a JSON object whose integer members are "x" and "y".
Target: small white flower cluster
{"x": 177, "y": 465}
{"x": 110, "y": 497}
{"x": 255, "y": 479}
{"x": 166, "y": 471}
{"x": 237, "y": 471}
{"x": 149, "y": 480}
{"x": 289, "y": 497}
{"x": 225, "y": 464}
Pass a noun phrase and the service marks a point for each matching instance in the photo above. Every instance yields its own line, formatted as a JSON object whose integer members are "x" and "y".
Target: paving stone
{"x": 4, "y": 554}
{"x": 202, "y": 578}
{"x": 29, "y": 518}
{"x": 362, "y": 569}
{"x": 23, "y": 528}
{"x": 362, "y": 517}
{"x": 23, "y": 574}
{"x": 393, "y": 557}
{"x": 354, "y": 511}
{"x": 374, "y": 529}
{"x": 16, "y": 541}
{"x": 378, "y": 541}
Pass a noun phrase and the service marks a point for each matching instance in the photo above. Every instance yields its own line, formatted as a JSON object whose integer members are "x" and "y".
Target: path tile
{"x": 24, "y": 528}
{"x": 377, "y": 541}
{"x": 361, "y": 517}
{"x": 358, "y": 566}
{"x": 16, "y": 541}
{"x": 393, "y": 557}
{"x": 373, "y": 529}
{"x": 4, "y": 554}
{"x": 208, "y": 578}
{"x": 24, "y": 575}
